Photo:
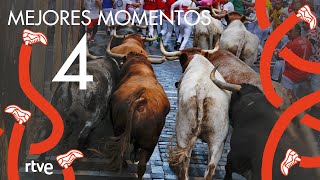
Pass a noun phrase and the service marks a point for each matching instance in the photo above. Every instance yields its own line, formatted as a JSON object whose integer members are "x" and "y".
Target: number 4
{"x": 82, "y": 78}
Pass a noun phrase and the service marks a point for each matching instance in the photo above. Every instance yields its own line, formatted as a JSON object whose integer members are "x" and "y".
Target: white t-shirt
{"x": 227, "y": 7}
{"x": 92, "y": 6}
{"x": 121, "y": 5}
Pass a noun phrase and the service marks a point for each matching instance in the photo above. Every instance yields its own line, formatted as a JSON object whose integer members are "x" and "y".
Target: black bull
{"x": 253, "y": 117}
{"x": 84, "y": 110}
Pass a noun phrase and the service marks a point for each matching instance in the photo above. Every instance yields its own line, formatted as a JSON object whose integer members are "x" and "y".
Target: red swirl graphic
{"x": 1, "y": 131}
{"x": 299, "y": 63}
{"x": 40, "y": 102}
{"x": 261, "y": 12}
{"x": 297, "y": 107}
{"x": 266, "y": 58}
{"x": 279, "y": 128}
{"x": 68, "y": 173}
{"x": 46, "y": 108}
{"x": 311, "y": 122}
{"x": 13, "y": 152}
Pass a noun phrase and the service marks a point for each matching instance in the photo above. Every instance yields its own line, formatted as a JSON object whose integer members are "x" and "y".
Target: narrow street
{"x": 167, "y": 74}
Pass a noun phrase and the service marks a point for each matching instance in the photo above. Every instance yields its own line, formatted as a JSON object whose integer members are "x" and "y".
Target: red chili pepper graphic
{"x": 40, "y": 102}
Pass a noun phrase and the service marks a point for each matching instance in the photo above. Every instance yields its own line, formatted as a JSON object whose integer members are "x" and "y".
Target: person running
{"x": 107, "y": 6}
{"x": 185, "y": 29}
{"x": 135, "y": 8}
{"x": 160, "y": 7}
{"x": 167, "y": 27}
{"x": 149, "y": 5}
{"x": 123, "y": 5}
{"x": 94, "y": 7}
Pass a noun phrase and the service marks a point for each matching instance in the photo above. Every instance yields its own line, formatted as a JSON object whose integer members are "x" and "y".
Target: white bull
{"x": 203, "y": 113}
{"x": 206, "y": 36}
{"x": 238, "y": 40}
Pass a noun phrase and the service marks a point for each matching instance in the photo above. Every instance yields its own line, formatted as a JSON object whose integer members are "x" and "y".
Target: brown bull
{"x": 139, "y": 105}
{"x": 131, "y": 43}
{"x": 236, "y": 71}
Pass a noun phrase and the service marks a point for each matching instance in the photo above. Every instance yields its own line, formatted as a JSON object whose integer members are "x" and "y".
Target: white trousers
{"x": 166, "y": 31}
{"x": 106, "y": 14}
{"x": 185, "y": 31}
{"x": 137, "y": 11}
{"x": 158, "y": 21}
{"x": 151, "y": 29}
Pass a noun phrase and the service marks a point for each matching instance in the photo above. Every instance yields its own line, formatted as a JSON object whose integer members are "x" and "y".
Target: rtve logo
{"x": 47, "y": 168}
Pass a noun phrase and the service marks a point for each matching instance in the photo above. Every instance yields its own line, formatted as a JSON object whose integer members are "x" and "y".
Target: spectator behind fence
{"x": 238, "y": 6}
{"x": 276, "y": 12}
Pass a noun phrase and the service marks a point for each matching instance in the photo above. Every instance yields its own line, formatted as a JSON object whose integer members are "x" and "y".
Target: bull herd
{"x": 216, "y": 90}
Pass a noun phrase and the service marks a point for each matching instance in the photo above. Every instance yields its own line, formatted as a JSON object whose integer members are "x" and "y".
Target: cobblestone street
{"x": 168, "y": 73}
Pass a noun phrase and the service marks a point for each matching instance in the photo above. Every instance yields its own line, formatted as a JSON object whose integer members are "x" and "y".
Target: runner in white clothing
{"x": 122, "y": 5}
{"x": 184, "y": 28}
{"x": 138, "y": 10}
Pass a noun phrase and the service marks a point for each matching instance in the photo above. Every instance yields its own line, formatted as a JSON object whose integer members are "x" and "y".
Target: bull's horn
{"x": 223, "y": 85}
{"x": 216, "y": 48}
{"x": 216, "y": 10}
{"x": 118, "y": 36}
{"x": 156, "y": 59}
{"x": 114, "y": 55}
{"x": 193, "y": 8}
{"x": 155, "y": 37}
{"x": 165, "y": 53}
{"x": 171, "y": 58}
{"x": 111, "y": 26}
{"x": 210, "y": 51}
{"x": 139, "y": 26}
{"x": 191, "y": 3}
{"x": 92, "y": 57}
{"x": 215, "y": 15}
{"x": 219, "y": 6}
